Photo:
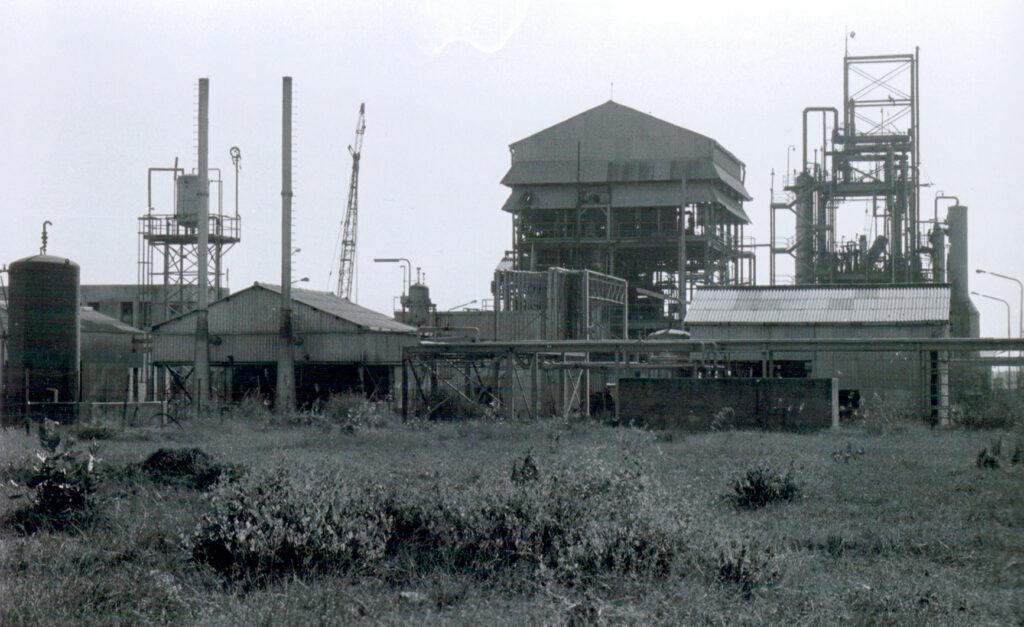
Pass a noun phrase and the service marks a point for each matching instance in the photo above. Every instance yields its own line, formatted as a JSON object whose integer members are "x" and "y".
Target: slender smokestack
{"x": 202, "y": 368}
{"x": 963, "y": 315}
{"x": 956, "y": 220}
{"x": 285, "y": 401}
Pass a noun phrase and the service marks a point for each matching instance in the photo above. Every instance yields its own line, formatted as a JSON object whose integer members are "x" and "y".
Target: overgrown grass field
{"x": 554, "y": 523}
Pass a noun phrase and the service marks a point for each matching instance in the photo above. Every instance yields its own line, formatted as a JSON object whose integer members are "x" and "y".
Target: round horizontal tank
{"x": 41, "y": 377}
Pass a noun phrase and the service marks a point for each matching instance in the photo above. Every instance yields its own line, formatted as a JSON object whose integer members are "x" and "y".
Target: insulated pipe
{"x": 835, "y": 125}
{"x": 149, "y": 182}
{"x": 938, "y": 197}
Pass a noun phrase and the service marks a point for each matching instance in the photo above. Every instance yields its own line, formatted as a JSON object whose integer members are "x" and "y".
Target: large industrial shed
{"x": 903, "y": 381}
{"x": 339, "y": 346}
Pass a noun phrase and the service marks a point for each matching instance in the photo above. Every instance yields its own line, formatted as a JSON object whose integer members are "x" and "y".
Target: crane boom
{"x": 346, "y": 268}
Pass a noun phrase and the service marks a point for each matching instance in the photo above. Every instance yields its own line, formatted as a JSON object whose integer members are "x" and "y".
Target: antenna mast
{"x": 348, "y": 231}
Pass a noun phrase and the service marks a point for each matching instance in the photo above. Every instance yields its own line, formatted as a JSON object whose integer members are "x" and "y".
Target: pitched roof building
{"x": 337, "y": 345}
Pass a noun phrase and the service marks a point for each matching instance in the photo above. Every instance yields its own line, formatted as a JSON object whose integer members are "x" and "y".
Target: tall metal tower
{"x": 346, "y": 268}
{"x": 864, "y": 158}
{"x": 169, "y": 245}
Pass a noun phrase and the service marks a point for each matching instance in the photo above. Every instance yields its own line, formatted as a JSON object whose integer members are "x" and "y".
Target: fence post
{"x": 835, "y": 403}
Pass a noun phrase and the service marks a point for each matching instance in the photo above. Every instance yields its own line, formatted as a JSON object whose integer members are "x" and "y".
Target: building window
{"x": 126, "y": 312}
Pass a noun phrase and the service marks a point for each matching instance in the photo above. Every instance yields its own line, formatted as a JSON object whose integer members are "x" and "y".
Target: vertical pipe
{"x": 285, "y": 400}
{"x": 683, "y": 200}
{"x": 202, "y": 366}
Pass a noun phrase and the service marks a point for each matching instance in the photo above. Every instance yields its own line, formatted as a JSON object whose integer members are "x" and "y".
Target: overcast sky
{"x": 94, "y": 93}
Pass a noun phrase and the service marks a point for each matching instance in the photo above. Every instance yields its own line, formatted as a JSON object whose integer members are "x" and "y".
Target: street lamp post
{"x": 1020, "y": 307}
{"x": 406, "y": 272}
{"x": 472, "y": 302}
{"x": 1008, "y": 332}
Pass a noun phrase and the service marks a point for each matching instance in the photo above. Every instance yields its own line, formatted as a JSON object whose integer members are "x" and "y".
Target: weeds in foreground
{"x": 61, "y": 484}
{"x": 190, "y": 468}
{"x": 986, "y": 460}
{"x": 847, "y": 454}
{"x": 563, "y": 524}
{"x": 989, "y": 457}
{"x": 763, "y": 485}
{"x": 747, "y": 565}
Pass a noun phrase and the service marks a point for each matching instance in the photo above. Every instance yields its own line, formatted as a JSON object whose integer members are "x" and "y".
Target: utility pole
{"x": 285, "y": 399}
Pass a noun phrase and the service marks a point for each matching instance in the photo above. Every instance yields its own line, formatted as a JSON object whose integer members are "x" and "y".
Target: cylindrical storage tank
{"x": 418, "y": 304}
{"x": 41, "y": 378}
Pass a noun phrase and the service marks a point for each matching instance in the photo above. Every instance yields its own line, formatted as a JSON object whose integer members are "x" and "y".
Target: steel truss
{"x": 536, "y": 379}
{"x": 868, "y": 159}
{"x": 168, "y": 249}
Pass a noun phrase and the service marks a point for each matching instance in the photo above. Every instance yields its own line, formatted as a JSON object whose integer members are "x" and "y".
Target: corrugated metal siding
{"x": 244, "y": 327}
{"x": 255, "y": 310}
{"x": 843, "y": 305}
{"x": 370, "y": 348}
{"x": 613, "y": 142}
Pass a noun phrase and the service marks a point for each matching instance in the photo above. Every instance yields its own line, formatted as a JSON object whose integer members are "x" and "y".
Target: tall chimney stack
{"x": 285, "y": 399}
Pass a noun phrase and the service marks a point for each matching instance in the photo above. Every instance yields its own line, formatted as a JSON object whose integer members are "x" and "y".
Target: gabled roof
{"x": 324, "y": 302}
{"x": 906, "y": 304}
{"x": 340, "y": 308}
{"x": 614, "y": 144}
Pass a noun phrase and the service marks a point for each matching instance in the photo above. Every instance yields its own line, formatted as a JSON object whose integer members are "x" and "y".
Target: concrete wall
{"x": 703, "y": 404}
{"x": 886, "y": 381}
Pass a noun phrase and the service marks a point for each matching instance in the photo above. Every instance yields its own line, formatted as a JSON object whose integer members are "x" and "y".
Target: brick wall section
{"x": 704, "y": 404}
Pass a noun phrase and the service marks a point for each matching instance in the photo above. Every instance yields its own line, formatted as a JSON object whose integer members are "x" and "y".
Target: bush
{"x": 763, "y": 485}
{"x": 565, "y": 523}
{"x": 61, "y": 485}
{"x": 354, "y": 411}
{"x": 189, "y": 468}
{"x": 991, "y": 409}
{"x": 746, "y": 565}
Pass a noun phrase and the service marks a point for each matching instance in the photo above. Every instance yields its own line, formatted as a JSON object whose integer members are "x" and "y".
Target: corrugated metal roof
{"x": 92, "y": 321}
{"x": 89, "y": 321}
{"x": 343, "y": 308}
{"x": 323, "y": 302}
{"x": 819, "y": 305}
{"x": 612, "y": 142}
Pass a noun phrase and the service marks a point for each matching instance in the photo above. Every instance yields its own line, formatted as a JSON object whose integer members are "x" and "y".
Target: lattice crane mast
{"x": 346, "y": 268}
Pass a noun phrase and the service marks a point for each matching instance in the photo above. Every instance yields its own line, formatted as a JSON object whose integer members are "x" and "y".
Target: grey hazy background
{"x": 94, "y": 93}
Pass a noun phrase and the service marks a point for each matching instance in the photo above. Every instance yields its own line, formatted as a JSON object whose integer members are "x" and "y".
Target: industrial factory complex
{"x": 630, "y": 290}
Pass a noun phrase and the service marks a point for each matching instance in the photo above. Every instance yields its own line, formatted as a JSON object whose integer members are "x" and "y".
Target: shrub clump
{"x": 189, "y": 468}
{"x": 353, "y": 411}
{"x": 565, "y": 524}
{"x": 986, "y": 460}
{"x": 746, "y": 565}
{"x": 763, "y": 485}
{"x": 61, "y": 485}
